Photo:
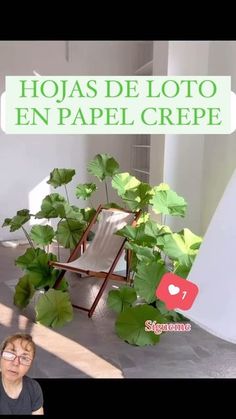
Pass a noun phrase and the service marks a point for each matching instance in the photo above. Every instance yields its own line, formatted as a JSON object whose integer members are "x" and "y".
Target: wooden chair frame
{"x": 110, "y": 275}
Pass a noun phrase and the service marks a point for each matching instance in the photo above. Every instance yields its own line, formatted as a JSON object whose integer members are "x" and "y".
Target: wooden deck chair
{"x": 100, "y": 258}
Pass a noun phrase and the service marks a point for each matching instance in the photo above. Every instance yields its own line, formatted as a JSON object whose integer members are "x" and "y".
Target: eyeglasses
{"x": 10, "y": 356}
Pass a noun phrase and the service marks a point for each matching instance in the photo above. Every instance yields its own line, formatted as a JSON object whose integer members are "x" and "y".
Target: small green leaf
{"x": 59, "y": 177}
{"x": 6, "y": 222}
{"x": 88, "y": 214}
{"x": 162, "y": 307}
{"x": 54, "y": 309}
{"x": 23, "y": 213}
{"x": 130, "y": 325}
{"x": 16, "y": 222}
{"x": 170, "y": 315}
{"x": 180, "y": 246}
{"x": 122, "y": 182}
{"x": 24, "y": 291}
{"x": 168, "y": 202}
{"x": 85, "y": 190}
{"x": 102, "y": 166}
{"x": 144, "y": 217}
{"x": 181, "y": 270}
{"x": 42, "y": 235}
{"x": 119, "y": 300}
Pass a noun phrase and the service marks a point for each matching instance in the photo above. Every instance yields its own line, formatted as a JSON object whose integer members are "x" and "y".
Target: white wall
{"x": 219, "y": 150}
{"x": 183, "y": 156}
{"x": 160, "y": 68}
{"x": 197, "y": 167}
{"x": 26, "y": 160}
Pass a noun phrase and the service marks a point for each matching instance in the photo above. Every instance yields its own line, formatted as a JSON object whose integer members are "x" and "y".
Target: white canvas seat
{"x": 102, "y": 251}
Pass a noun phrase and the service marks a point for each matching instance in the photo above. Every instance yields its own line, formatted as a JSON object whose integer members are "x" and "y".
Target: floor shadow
{"x": 90, "y": 347}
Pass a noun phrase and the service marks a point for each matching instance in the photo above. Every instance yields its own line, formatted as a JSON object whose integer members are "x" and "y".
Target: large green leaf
{"x": 67, "y": 211}
{"x": 102, "y": 166}
{"x": 147, "y": 278}
{"x": 54, "y": 308}
{"x": 49, "y": 206}
{"x": 24, "y": 291}
{"x": 85, "y": 190}
{"x": 69, "y": 232}
{"x": 27, "y": 258}
{"x": 145, "y": 234}
{"x": 36, "y": 263}
{"x": 130, "y": 325}
{"x": 41, "y": 273}
{"x": 41, "y": 281}
{"x": 16, "y": 222}
{"x": 122, "y": 182}
{"x": 128, "y": 231}
{"x": 139, "y": 197}
{"x": 166, "y": 201}
{"x": 181, "y": 246}
{"x": 119, "y": 300}
{"x": 42, "y": 235}
{"x": 143, "y": 253}
{"x": 59, "y": 177}
{"x": 148, "y": 233}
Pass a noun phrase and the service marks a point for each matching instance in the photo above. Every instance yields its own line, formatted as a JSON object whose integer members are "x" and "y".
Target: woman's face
{"x": 15, "y": 369}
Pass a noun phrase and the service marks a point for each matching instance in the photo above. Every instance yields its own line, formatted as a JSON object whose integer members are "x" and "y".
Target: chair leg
{"x": 128, "y": 264}
{"x": 99, "y": 294}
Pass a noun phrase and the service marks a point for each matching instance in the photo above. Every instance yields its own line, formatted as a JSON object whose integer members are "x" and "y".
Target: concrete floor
{"x": 90, "y": 348}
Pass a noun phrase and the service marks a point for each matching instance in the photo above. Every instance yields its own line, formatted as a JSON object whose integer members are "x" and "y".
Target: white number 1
{"x": 184, "y": 294}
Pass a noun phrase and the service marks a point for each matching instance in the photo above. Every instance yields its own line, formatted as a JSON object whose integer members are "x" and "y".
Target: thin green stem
{"x": 58, "y": 252}
{"x": 28, "y": 237}
{"x": 67, "y": 196}
{"x": 106, "y": 188}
